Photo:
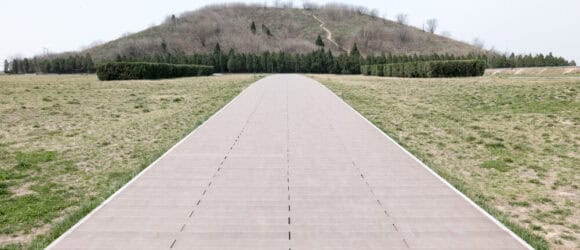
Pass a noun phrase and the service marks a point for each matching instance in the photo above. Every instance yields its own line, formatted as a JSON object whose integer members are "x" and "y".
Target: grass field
{"x": 67, "y": 142}
{"x": 511, "y": 144}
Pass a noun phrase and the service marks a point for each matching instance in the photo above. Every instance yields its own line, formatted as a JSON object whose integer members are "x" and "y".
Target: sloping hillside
{"x": 292, "y": 30}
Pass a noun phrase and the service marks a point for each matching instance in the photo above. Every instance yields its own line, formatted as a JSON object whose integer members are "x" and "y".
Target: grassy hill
{"x": 292, "y": 30}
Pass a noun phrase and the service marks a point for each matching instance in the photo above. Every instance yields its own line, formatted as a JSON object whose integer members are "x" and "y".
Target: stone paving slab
{"x": 287, "y": 165}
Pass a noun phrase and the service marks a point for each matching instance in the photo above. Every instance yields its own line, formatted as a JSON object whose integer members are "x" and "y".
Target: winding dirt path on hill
{"x": 328, "y": 32}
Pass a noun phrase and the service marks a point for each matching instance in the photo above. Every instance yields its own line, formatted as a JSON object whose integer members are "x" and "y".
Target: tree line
{"x": 141, "y": 70}
{"x": 427, "y": 69}
{"x": 73, "y": 64}
{"x": 522, "y": 61}
{"x": 492, "y": 61}
{"x": 317, "y": 61}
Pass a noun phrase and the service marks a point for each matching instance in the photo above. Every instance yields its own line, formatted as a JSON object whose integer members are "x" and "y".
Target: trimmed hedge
{"x": 141, "y": 70}
{"x": 455, "y": 68}
{"x": 365, "y": 70}
{"x": 377, "y": 70}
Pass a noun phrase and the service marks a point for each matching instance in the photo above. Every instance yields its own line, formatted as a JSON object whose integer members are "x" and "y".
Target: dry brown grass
{"x": 66, "y": 141}
{"x": 571, "y": 71}
{"x": 511, "y": 144}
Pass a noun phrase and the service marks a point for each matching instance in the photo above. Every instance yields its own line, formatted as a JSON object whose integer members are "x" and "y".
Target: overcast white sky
{"x": 521, "y": 26}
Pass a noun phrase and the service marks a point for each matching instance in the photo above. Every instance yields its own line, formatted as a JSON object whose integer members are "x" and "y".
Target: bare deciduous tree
{"x": 310, "y": 6}
{"x": 374, "y": 13}
{"x": 478, "y": 43}
{"x": 403, "y": 35}
{"x": 432, "y": 25}
{"x": 361, "y": 10}
{"x": 203, "y": 32}
{"x": 402, "y": 18}
{"x": 170, "y": 19}
{"x": 288, "y": 5}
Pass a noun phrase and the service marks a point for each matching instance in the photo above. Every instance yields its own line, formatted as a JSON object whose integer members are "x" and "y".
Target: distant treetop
{"x": 319, "y": 41}
{"x": 253, "y": 27}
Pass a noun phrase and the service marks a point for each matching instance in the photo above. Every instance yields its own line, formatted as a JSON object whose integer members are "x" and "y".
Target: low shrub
{"x": 141, "y": 70}
{"x": 455, "y": 68}
{"x": 365, "y": 70}
{"x": 377, "y": 70}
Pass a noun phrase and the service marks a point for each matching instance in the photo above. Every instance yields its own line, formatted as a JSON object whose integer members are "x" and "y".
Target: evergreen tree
{"x": 266, "y": 30}
{"x": 6, "y": 66}
{"x": 216, "y": 49}
{"x": 319, "y": 42}
{"x": 163, "y": 46}
{"x": 47, "y": 67}
{"x": 15, "y": 67}
{"x": 233, "y": 63}
{"x": 253, "y": 27}
{"x": 55, "y": 68}
{"x": 354, "y": 51}
{"x": 26, "y": 66}
{"x": 328, "y": 62}
{"x": 353, "y": 61}
{"x": 89, "y": 64}
{"x": 218, "y": 58}
{"x": 317, "y": 61}
{"x": 68, "y": 65}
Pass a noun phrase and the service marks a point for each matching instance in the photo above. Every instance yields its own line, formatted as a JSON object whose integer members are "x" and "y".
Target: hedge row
{"x": 455, "y": 68}
{"x": 141, "y": 70}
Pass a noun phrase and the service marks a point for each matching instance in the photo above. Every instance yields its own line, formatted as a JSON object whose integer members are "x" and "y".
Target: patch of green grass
{"x": 28, "y": 160}
{"x": 498, "y": 165}
{"x": 471, "y": 138}
{"x": 562, "y": 212}
{"x": 4, "y": 189}
{"x": 9, "y": 174}
{"x": 536, "y": 228}
{"x": 23, "y": 213}
{"x": 495, "y": 146}
{"x": 520, "y": 203}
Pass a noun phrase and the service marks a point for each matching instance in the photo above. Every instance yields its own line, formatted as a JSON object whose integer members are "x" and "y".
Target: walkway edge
{"x": 70, "y": 230}
{"x": 501, "y": 225}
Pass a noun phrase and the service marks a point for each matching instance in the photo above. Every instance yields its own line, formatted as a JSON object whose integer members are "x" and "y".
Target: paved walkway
{"x": 287, "y": 165}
